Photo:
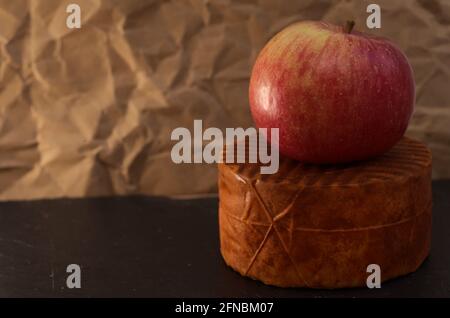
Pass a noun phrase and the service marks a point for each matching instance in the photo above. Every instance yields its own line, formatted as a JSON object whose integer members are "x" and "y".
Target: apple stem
{"x": 349, "y": 26}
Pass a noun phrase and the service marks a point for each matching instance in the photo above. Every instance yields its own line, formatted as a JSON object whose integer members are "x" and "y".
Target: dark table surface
{"x": 158, "y": 247}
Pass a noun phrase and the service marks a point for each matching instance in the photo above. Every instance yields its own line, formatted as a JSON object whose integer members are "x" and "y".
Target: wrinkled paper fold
{"x": 88, "y": 112}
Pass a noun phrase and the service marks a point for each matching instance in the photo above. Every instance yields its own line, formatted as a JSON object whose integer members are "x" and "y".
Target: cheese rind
{"x": 321, "y": 226}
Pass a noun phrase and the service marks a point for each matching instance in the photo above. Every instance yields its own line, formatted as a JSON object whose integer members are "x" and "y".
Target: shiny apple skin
{"x": 336, "y": 97}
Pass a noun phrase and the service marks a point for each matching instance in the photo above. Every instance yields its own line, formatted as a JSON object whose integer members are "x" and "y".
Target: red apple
{"x": 337, "y": 95}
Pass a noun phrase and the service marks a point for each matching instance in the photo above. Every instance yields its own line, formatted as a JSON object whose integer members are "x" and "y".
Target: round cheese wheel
{"x": 322, "y": 226}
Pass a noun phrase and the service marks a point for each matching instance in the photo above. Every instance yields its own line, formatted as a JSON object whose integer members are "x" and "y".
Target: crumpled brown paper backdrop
{"x": 89, "y": 111}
